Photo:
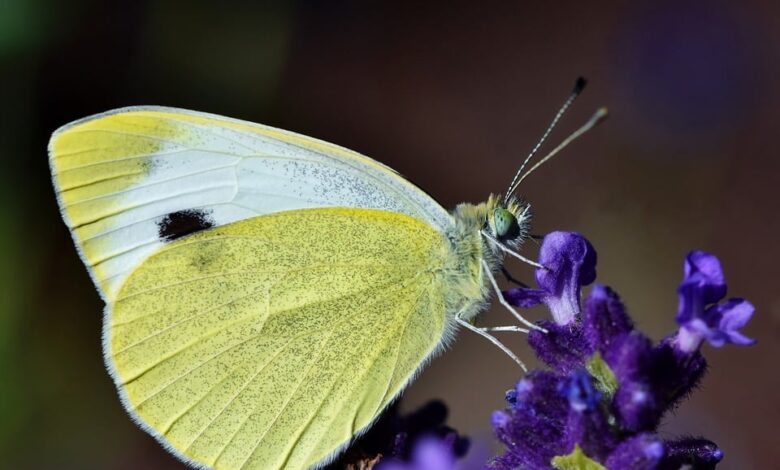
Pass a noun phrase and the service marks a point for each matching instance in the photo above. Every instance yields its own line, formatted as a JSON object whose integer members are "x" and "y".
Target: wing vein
{"x": 333, "y": 328}
{"x": 286, "y": 403}
{"x": 205, "y": 130}
{"x": 145, "y": 185}
{"x": 216, "y": 275}
{"x": 198, "y": 401}
{"x": 322, "y": 402}
{"x": 224, "y": 328}
{"x": 179, "y": 351}
{"x": 205, "y": 206}
{"x": 127, "y": 134}
{"x": 121, "y": 210}
{"x": 191, "y": 317}
{"x": 240, "y": 391}
{"x": 64, "y": 190}
{"x": 122, "y": 159}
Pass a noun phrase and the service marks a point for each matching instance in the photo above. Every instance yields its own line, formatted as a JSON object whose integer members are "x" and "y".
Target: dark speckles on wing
{"x": 181, "y": 223}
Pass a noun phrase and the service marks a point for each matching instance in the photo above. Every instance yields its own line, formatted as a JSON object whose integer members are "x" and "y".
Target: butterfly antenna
{"x": 579, "y": 85}
{"x": 599, "y": 116}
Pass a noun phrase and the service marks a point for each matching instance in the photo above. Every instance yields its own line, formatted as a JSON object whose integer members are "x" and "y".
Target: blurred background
{"x": 453, "y": 95}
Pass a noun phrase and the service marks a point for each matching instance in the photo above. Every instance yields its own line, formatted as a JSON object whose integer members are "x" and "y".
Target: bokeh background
{"x": 452, "y": 94}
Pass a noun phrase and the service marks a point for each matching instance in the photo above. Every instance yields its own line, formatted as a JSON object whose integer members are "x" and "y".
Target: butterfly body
{"x": 468, "y": 288}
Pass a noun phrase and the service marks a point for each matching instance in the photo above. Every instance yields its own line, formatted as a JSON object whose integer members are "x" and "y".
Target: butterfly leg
{"x": 511, "y": 278}
{"x": 511, "y": 252}
{"x": 503, "y": 301}
{"x": 493, "y": 340}
{"x": 516, "y": 329}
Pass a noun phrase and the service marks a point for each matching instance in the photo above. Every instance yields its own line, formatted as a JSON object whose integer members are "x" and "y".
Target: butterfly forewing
{"x": 131, "y": 180}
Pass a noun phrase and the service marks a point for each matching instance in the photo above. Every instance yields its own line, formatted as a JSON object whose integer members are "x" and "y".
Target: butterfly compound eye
{"x": 506, "y": 224}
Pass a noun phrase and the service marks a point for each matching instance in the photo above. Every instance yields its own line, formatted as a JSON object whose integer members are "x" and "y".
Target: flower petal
{"x": 499, "y": 419}
{"x": 690, "y": 303}
{"x": 524, "y": 297}
{"x": 431, "y": 453}
{"x": 718, "y": 324}
{"x": 735, "y": 314}
{"x": 705, "y": 269}
{"x": 699, "y": 316}
{"x": 570, "y": 262}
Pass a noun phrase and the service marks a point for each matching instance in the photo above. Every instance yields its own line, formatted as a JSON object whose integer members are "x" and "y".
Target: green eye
{"x": 506, "y": 224}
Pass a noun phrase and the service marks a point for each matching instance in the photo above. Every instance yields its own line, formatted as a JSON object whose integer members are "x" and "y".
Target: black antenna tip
{"x": 579, "y": 85}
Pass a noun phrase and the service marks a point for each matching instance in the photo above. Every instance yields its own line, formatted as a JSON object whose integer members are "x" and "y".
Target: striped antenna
{"x": 598, "y": 117}
{"x": 579, "y": 85}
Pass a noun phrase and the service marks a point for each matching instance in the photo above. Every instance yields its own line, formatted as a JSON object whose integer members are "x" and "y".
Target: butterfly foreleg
{"x": 511, "y": 252}
{"x": 512, "y": 279}
{"x": 515, "y": 329}
{"x": 486, "y": 270}
{"x": 492, "y": 339}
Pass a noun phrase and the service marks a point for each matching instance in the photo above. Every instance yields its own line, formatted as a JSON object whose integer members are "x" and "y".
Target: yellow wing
{"x": 131, "y": 180}
{"x": 270, "y": 342}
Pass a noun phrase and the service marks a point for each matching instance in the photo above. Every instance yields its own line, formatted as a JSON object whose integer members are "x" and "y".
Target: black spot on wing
{"x": 181, "y": 223}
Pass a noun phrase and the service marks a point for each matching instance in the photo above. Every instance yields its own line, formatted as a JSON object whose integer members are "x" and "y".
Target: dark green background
{"x": 452, "y": 94}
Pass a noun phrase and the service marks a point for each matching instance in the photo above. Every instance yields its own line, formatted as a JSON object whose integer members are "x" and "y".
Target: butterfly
{"x": 269, "y": 294}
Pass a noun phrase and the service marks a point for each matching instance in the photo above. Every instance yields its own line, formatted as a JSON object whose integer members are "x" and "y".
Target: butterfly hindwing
{"x": 131, "y": 180}
{"x": 257, "y": 345}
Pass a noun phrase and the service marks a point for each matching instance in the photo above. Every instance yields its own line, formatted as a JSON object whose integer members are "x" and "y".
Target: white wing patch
{"x": 132, "y": 179}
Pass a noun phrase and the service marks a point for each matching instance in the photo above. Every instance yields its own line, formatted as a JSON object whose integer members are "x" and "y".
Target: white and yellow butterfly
{"x": 267, "y": 294}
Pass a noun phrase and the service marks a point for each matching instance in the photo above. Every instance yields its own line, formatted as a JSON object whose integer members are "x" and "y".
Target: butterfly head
{"x": 507, "y": 221}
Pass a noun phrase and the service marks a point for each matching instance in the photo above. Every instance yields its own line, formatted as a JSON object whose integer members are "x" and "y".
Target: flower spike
{"x": 601, "y": 404}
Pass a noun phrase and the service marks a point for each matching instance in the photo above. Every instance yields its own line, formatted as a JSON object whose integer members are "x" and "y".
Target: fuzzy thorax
{"x": 467, "y": 287}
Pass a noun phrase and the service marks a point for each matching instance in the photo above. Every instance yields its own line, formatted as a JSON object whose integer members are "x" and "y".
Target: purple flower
{"x": 640, "y": 452}
{"x": 638, "y": 403}
{"x": 429, "y": 453}
{"x": 613, "y": 384}
{"x": 604, "y": 323}
{"x": 587, "y": 425}
{"x": 404, "y": 440}
{"x": 532, "y": 427}
{"x": 699, "y": 315}
{"x": 579, "y": 390}
{"x": 570, "y": 263}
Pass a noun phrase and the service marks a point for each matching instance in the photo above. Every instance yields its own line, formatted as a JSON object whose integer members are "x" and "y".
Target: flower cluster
{"x": 609, "y": 386}
{"x": 416, "y": 441}
{"x": 429, "y": 453}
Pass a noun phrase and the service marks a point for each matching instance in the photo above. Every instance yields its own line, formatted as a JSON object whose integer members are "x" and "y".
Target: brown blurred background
{"x": 452, "y": 94}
